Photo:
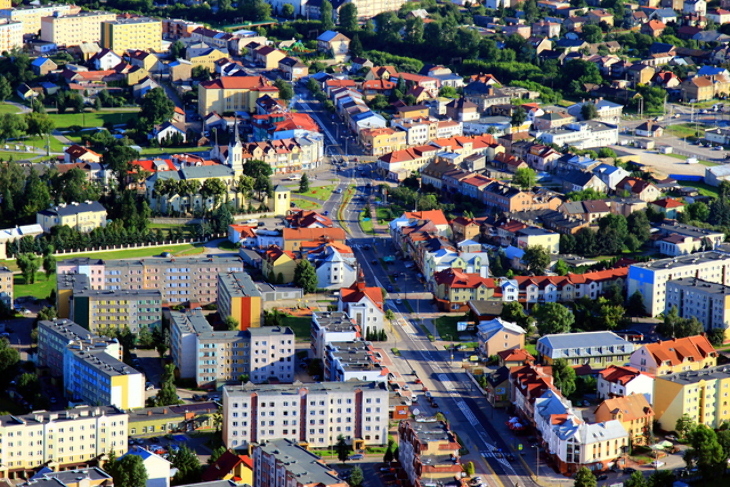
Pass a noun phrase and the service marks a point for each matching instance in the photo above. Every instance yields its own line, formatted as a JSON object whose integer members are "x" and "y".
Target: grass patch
{"x": 177, "y": 249}
{"x": 383, "y": 213}
{"x": 302, "y": 326}
{"x": 703, "y": 188}
{"x": 20, "y": 156}
{"x": 40, "y": 289}
{"x": 38, "y": 143}
{"x": 366, "y": 225}
{"x": 305, "y": 204}
{"x": 700, "y": 161}
{"x": 8, "y": 108}
{"x": 446, "y": 326}
{"x": 682, "y": 130}
{"x": 531, "y": 348}
{"x": 319, "y": 192}
{"x": 158, "y": 151}
{"x": 91, "y": 119}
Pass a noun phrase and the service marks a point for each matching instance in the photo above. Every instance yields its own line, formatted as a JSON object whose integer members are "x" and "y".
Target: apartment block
{"x": 598, "y": 349}
{"x": 30, "y": 16}
{"x": 90, "y": 365}
{"x": 83, "y": 217}
{"x": 709, "y": 302}
{"x": 354, "y": 360}
{"x": 615, "y": 381}
{"x": 178, "y": 279}
{"x": 650, "y": 278}
{"x": 328, "y": 327}
{"x": 72, "y": 30}
{"x": 217, "y": 357}
{"x": 6, "y": 286}
{"x": 283, "y": 463}
{"x": 178, "y": 28}
{"x": 64, "y": 439}
{"x": 701, "y": 394}
{"x": 674, "y": 356}
{"x": 137, "y": 309}
{"x": 11, "y": 35}
{"x": 233, "y": 93}
{"x": 137, "y": 33}
{"x": 428, "y": 450}
{"x": 239, "y": 297}
{"x": 315, "y": 413}
{"x": 633, "y": 411}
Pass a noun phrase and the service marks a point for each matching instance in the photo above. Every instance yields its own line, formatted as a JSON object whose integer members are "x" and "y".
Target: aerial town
{"x": 365, "y": 243}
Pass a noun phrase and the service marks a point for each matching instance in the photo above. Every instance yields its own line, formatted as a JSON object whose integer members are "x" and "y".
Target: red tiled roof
{"x": 313, "y": 234}
{"x": 437, "y": 217}
{"x": 619, "y": 375}
{"x": 358, "y": 291}
{"x": 516, "y": 355}
{"x": 668, "y": 203}
{"x": 675, "y": 351}
{"x": 236, "y": 83}
{"x": 76, "y": 151}
{"x": 456, "y": 278}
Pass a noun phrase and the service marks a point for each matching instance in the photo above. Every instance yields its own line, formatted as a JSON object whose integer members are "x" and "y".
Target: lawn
{"x": 8, "y": 108}
{"x": 684, "y": 158}
{"x": 177, "y": 249}
{"x": 91, "y": 119}
{"x": 40, "y": 289}
{"x": 531, "y": 348}
{"x": 366, "y": 225}
{"x": 446, "y": 326}
{"x": 682, "y": 130}
{"x": 703, "y": 188}
{"x": 20, "y": 156}
{"x": 319, "y": 192}
{"x": 305, "y": 204}
{"x": 158, "y": 151}
{"x": 37, "y": 142}
{"x": 384, "y": 213}
{"x": 302, "y": 326}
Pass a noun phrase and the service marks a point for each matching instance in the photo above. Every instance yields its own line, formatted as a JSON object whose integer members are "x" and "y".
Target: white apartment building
{"x": 215, "y": 357}
{"x": 422, "y": 131}
{"x": 621, "y": 381}
{"x": 72, "y": 30}
{"x": 283, "y": 463}
{"x": 31, "y": 16}
{"x": 315, "y": 413}
{"x": 709, "y": 302}
{"x": 328, "y": 327}
{"x": 364, "y": 305}
{"x": 11, "y": 35}
{"x": 354, "y": 360}
{"x": 650, "y": 278}
{"x": 581, "y": 135}
{"x": 65, "y": 439}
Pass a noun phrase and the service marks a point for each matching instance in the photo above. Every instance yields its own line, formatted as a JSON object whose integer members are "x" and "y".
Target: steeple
{"x": 235, "y": 150}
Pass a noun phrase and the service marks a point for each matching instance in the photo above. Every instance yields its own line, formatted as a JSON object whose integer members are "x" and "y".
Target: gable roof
{"x": 632, "y": 407}
{"x": 675, "y": 351}
{"x": 358, "y": 291}
{"x": 619, "y": 374}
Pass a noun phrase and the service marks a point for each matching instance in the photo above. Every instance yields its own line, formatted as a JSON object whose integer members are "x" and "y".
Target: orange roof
{"x": 677, "y": 350}
{"x": 456, "y": 278}
{"x": 378, "y": 84}
{"x": 655, "y": 25}
{"x": 668, "y": 203}
{"x": 516, "y": 355}
{"x": 246, "y": 231}
{"x": 312, "y": 234}
{"x": 236, "y": 83}
{"x": 437, "y": 217}
{"x": 340, "y": 83}
{"x": 76, "y": 151}
{"x": 631, "y": 408}
{"x": 619, "y": 375}
{"x": 273, "y": 253}
{"x": 358, "y": 291}
{"x": 149, "y": 165}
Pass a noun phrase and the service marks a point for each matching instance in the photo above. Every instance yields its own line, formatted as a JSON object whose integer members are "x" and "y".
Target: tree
{"x": 128, "y": 471}
{"x": 305, "y": 276}
{"x": 537, "y": 259}
{"x": 304, "y": 183}
{"x": 348, "y": 18}
{"x": 222, "y": 218}
{"x": 286, "y": 92}
{"x": 564, "y": 376}
{"x": 469, "y": 469}
{"x": 356, "y": 49}
{"x": 636, "y": 479}
{"x": 38, "y": 123}
{"x": 325, "y": 10}
{"x": 585, "y": 478}
{"x": 28, "y": 264}
{"x": 287, "y": 10}
{"x": 256, "y": 168}
{"x": 161, "y": 340}
{"x": 231, "y": 323}
{"x": 684, "y": 425}
{"x": 553, "y": 318}
{"x": 177, "y": 49}
{"x": 156, "y": 106}
{"x": 343, "y": 449}
{"x": 513, "y": 312}
{"x": 216, "y": 454}
{"x": 585, "y": 242}
{"x": 187, "y": 464}
{"x": 519, "y": 115}
{"x": 167, "y": 394}
{"x": 6, "y": 90}
{"x": 716, "y": 336}
{"x": 12, "y": 126}
{"x": 8, "y": 357}
{"x": 561, "y": 268}
{"x": 525, "y": 178}
{"x": 635, "y": 305}
{"x": 592, "y": 34}
{"x": 49, "y": 264}
{"x": 589, "y": 111}
{"x": 356, "y": 477}
{"x": 705, "y": 452}
{"x": 638, "y": 225}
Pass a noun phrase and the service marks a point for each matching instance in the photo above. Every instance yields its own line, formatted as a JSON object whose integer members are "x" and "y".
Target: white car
{"x": 657, "y": 464}
{"x": 252, "y": 221}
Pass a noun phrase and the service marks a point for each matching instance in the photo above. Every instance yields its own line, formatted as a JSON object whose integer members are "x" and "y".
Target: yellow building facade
{"x": 278, "y": 266}
{"x": 72, "y": 30}
{"x": 11, "y": 35}
{"x": 239, "y": 297}
{"x": 704, "y": 395}
{"x": 31, "y": 16}
{"x": 282, "y": 199}
{"x": 140, "y": 33}
{"x": 83, "y": 217}
{"x": 233, "y": 93}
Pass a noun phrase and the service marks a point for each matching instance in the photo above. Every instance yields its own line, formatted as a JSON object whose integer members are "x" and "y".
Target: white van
{"x": 294, "y": 177}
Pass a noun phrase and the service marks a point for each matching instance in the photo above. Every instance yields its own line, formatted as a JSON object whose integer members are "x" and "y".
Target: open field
{"x": 8, "y": 108}
{"x": 446, "y": 326}
{"x": 302, "y": 326}
{"x": 91, "y": 119}
{"x": 319, "y": 192}
{"x": 41, "y": 288}
{"x": 305, "y": 204}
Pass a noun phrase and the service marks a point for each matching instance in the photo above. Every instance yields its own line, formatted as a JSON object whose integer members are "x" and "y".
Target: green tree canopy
{"x": 305, "y": 276}
{"x": 564, "y": 376}
{"x": 525, "y": 178}
{"x": 585, "y": 478}
{"x": 536, "y": 259}
{"x": 553, "y": 318}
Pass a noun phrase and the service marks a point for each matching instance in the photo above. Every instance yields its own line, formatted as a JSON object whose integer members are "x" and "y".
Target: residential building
{"x": 597, "y": 349}
{"x": 619, "y": 381}
{"x": 278, "y": 265}
{"x": 697, "y": 89}
{"x": 268, "y": 57}
{"x": 6, "y": 287}
{"x": 89, "y": 476}
{"x": 354, "y": 360}
{"x": 650, "y": 278}
{"x": 99, "y": 310}
{"x": 582, "y": 135}
{"x": 83, "y": 217}
{"x": 382, "y": 141}
{"x": 11, "y": 35}
{"x": 497, "y": 335}
{"x": 43, "y": 65}
{"x": 161, "y": 420}
{"x": 232, "y": 93}
{"x": 364, "y": 305}
{"x": 316, "y": 413}
{"x": 283, "y": 462}
{"x": 230, "y": 466}
{"x": 293, "y": 68}
{"x": 538, "y": 237}
{"x": 328, "y": 327}
{"x": 76, "y": 153}
{"x": 427, "y": 451}
{"x": 333, "y": 44}
{"x": 634, "y": 413}
{"x": 639, "y": 188}
{"x": 675, "y": 356}
{"x": 69, "y": 439}
{"x": 335, "y": 269}
{"x": 700, "y": 394}
{"x": 454, "y": 288}
{"x": 136, "y": 33}
{"x": 239, "y": 298}
{"x": 708, "y": 238}
{"x": 205, "y": 56}
{"x": 295, "y": 237}
{"x": 178, "y": 28}
{"x": 72, "y": 30}
{"x": 30, "y": 15}
{"x": 179, "y": 279}
{"x": 709, "y": 302}
{"x": 714, "y": 176}
{"x": 213, "y": 357}
{"x": 157, "y": 468}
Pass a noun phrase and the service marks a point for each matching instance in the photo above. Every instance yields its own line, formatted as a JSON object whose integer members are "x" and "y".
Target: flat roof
{"x": 699, "y": 285}
{"x": 333, "y": 321}
{"x": 694, "y": 376}
{"x": 239, "y": 284}
{"x": 684, "y": 260}
{"x": 43, "y": 416}
{"x": 305, "y": 466}
{"x": 296, "y": 386}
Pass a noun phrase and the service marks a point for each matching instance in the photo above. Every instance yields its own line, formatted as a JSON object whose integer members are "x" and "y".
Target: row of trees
{"x": 615, "y": 233}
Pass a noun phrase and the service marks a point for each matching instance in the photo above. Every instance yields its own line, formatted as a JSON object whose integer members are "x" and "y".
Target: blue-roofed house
{"x": 712, "y": 71}
{"x": 664, "y": 15}
{"x": 610, "y": 175}
{"x": 497, "y": 335}
{"x": 42, "y": 66}
{"x": 158, "y": 469}
{"x": 597, "y": 349}
{"x": 333, "y": 43}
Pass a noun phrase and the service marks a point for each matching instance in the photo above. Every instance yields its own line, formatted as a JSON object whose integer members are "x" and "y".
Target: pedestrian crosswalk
{"x": 499, "y": 457}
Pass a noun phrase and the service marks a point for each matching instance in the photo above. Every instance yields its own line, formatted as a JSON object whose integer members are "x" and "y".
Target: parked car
{"x": 629, "y": 470}
{"x": 657, "y": 464}
{"x": 602, "y": 477}
{"x": 356, "y": 456}
{"x": 476, "y": 480}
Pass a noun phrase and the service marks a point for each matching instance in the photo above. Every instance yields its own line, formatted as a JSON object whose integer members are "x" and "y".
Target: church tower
{"x": 235, "y": 151}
